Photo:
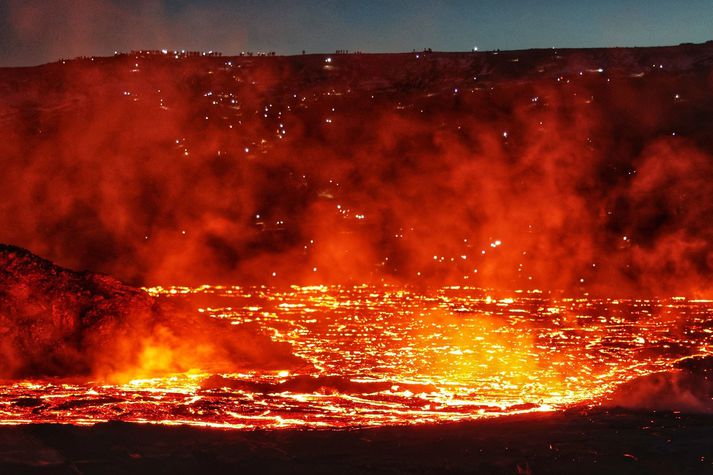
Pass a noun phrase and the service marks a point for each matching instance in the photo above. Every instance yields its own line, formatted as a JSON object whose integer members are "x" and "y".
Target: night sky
{"x": 39, "y": 31}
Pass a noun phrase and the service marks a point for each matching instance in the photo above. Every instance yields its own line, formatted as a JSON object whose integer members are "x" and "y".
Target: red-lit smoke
{"x": 551, "y": 169}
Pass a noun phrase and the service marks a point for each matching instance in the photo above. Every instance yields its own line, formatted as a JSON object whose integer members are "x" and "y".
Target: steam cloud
{"x": 56, "y": 322}
{"x": 552, "y": 169}
{"x": 688, "y": 388}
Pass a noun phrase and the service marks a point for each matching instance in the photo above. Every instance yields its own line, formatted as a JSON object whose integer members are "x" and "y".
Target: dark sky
{"x": 37, "y": 31}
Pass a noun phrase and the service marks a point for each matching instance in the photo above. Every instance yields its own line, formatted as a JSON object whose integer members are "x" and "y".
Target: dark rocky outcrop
{"x": 57, "y": 322}
{"x": 686, "y": 388}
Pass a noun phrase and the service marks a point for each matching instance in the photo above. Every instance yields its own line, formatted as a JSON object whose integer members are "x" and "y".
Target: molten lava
{"x": 393, "y": 355}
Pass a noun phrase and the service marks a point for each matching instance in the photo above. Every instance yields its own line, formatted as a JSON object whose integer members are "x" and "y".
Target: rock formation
{"x": 58, "y": 322}
{"x": 686, "y": 388}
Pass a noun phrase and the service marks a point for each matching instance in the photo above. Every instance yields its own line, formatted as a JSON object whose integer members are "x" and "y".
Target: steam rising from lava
{"x": 57, "y": 322}
{"x": 687, "y": 388}
{"x": 524, "y": 169}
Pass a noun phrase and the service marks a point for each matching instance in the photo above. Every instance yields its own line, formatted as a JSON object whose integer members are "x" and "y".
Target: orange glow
{"x": 387, "y": 355}
{"x": 377, "y": 207}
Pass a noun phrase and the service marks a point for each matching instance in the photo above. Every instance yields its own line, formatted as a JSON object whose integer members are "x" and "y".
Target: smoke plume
{"x": 576, "y": 170}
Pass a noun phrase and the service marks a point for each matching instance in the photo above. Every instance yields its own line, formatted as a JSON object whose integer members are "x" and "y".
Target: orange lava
{"x": 393, "y": 355}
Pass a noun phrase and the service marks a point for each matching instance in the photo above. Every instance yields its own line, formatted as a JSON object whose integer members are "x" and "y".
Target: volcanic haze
{"x": 558, "y": 169}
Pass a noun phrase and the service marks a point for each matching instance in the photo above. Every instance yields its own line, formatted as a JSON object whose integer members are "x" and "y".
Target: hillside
{"x": 583, "y": 170}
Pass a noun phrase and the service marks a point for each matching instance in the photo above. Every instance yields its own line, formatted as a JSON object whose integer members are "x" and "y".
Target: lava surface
{"x": 385, "y": 355}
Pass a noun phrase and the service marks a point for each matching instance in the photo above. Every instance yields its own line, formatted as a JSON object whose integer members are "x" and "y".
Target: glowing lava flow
{"x": 391, "y": 355}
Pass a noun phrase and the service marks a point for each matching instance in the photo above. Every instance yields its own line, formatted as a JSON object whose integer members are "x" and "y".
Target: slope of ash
{"x": 57, "y": 322}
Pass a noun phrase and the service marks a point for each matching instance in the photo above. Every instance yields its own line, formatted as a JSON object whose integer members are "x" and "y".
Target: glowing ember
{"x": 393, "y": 355}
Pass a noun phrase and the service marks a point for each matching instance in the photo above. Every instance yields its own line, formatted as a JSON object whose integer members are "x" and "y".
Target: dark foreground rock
{"x": 582, "y": 443}
{"x": 57, "y": 322}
